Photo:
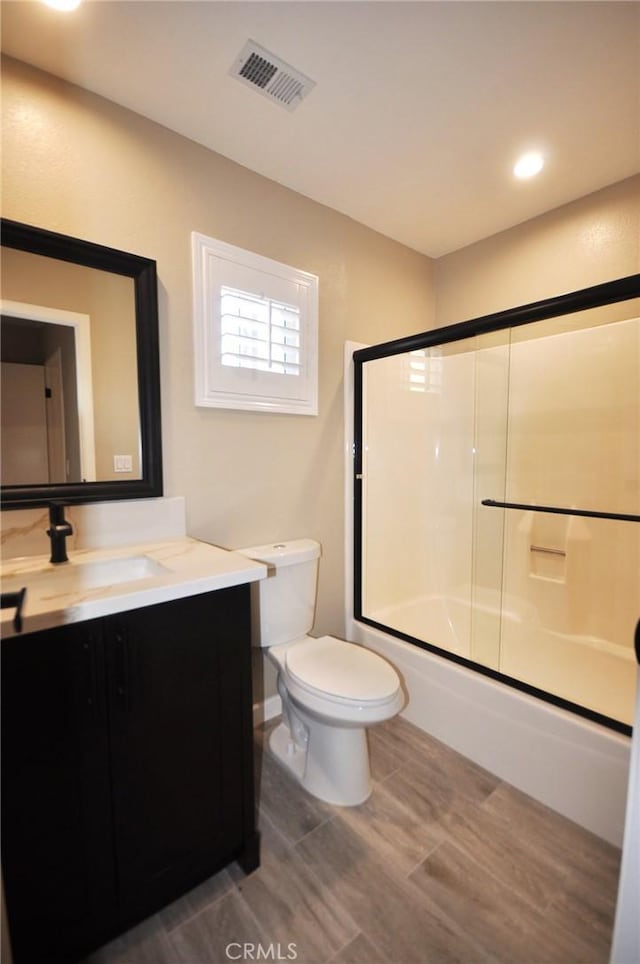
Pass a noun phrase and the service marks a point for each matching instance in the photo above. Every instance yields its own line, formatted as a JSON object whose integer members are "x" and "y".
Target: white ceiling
{"x": 420, "y": 108}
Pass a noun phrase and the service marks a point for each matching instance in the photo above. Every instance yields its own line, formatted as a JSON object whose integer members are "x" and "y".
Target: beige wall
{"x": 587, "y": 242}
{"x": 80, "y": 165}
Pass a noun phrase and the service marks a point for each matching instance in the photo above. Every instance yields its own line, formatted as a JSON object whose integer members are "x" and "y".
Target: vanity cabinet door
{"x": 58, "y": 864}
{"x": 177, "y": 679}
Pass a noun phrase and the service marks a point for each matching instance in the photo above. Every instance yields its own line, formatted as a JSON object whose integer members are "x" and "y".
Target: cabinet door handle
{"x": 122, "y": 673}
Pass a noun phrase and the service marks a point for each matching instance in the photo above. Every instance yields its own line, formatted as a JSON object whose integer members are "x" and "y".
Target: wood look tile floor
{"x": 444, "y": 863}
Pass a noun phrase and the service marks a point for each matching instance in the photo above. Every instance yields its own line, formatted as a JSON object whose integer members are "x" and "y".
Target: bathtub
{"x": 575, "y": 766}
{"x": 518, "y": 645}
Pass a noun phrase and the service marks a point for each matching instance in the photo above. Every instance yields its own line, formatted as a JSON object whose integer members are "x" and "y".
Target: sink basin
{"x": 80, "y": 576}
{"x": 105, "y": 580}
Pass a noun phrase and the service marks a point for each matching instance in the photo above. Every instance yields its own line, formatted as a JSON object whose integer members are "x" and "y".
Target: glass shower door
{"x": 417, "y": 491}
{"x": 498, "y": 496}
{"x": 573, "y": 444}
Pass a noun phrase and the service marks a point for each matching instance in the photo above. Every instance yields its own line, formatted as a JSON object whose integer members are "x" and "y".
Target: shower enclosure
{"x": 497, "y": 495}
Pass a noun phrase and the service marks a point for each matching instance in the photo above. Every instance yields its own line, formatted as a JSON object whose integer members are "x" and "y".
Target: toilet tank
{"x": 283, "y": 604}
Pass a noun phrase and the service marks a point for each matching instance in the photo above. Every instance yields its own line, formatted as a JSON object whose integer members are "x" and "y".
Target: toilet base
{"x": 334, "y": 767}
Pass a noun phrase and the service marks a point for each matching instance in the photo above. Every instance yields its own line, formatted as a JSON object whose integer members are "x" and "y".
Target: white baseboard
{"x": 266, "y": 710}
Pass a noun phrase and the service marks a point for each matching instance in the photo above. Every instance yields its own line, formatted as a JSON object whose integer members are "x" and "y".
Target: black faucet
{"x": 58, "y": 532}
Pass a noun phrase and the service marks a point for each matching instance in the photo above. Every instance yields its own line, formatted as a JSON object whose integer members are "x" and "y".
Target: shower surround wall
{"x": 575, "y": 441}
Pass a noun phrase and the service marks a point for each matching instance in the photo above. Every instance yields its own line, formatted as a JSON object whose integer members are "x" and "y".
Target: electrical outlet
{"x": 122, "y": 463}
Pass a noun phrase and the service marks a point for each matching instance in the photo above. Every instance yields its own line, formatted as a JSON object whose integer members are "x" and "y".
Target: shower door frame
{"x": 608, "y": 293}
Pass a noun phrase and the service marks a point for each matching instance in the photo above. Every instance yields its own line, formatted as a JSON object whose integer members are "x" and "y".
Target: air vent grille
{"x": 258, "y": 70}
{"x": 271, "y": 76}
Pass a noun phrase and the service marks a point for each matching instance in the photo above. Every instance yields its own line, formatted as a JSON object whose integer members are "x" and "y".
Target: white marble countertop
{"x": 98, "y": 582}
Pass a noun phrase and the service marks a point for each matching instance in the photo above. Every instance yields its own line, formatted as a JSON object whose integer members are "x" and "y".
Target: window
{"x": 255, "y": 328}
{"x": 259, "y": 333}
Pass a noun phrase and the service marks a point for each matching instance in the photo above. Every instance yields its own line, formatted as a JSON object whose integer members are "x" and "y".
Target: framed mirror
{"x": 80, "y": 415}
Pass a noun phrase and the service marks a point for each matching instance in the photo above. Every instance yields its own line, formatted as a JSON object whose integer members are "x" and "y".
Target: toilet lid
{"x": 341, "y": 669}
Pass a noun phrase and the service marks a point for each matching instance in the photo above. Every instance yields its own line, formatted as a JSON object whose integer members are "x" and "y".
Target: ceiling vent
{"x": 269, "y": 75}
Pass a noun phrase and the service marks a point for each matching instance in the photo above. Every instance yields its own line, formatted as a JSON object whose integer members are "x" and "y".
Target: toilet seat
{"x": 340, "y": 672}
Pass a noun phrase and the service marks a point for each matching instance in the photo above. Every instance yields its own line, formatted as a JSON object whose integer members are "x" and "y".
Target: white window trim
{"x": 218, "y": 386}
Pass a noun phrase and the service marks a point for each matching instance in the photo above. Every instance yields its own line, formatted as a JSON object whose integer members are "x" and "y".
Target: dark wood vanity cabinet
{"x": 58, "y": 872}
{"x": 127, "y": 768}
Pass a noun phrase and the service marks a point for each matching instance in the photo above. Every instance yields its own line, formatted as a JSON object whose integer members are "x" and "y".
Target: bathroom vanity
{"x": 127, "y": 755}
{"x": 127, "y": 762}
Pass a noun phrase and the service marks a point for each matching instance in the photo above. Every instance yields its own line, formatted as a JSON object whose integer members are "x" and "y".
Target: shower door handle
{"x": 587, "y": 513}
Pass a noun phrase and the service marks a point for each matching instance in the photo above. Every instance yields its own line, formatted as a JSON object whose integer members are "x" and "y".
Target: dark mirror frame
{"x": 25, "y": 237}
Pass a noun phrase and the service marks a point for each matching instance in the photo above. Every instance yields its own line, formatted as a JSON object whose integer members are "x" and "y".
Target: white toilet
{"x": 331, "y": 690}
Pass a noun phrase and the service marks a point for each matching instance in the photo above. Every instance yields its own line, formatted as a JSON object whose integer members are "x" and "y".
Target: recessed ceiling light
{"x": 64, "y": 5}
{"x": 529, "y": 164}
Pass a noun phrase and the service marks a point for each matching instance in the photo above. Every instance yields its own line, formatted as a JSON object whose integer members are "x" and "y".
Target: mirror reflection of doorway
{"x": 24, "y": 426}
{"x": 44, "y": 434}
{"x": 35, "y": 420}
{"x": 59, "y": 466}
